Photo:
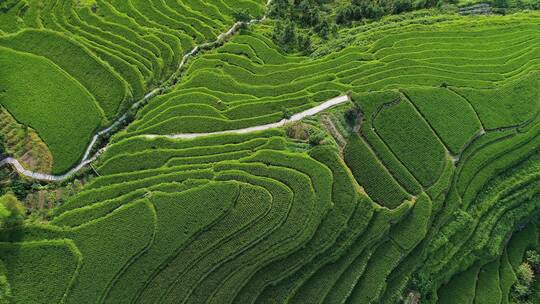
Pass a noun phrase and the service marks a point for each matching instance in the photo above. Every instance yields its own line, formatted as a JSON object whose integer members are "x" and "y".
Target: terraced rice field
{"x": 424, "y": 184}
{"x": 107, "y": 59}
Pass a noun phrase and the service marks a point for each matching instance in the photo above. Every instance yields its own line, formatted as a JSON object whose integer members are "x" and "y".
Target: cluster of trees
{"x": 298, "y": 21}
{"x": 12, "y": 182}
{"x": 358, "y": 10}
{"x": 502, "y": 5}
{"x": 242, "y": 16}
{"x": 372, "y": 9}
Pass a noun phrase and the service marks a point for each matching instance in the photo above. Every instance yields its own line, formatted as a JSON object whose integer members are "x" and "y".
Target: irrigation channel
{"x": 88, "y": 158}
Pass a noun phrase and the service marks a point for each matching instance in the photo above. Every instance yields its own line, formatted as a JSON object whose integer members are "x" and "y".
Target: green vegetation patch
{"x": 451, "y": 117}
{"x": 39, "y": 94}
{"x": 412, "y": 140}
{"x": 372, "y": 175}
{"x": 40, "y": 270}
{"x": 509, "y": 105}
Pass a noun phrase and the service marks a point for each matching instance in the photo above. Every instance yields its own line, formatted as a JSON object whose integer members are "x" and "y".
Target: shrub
{"x": 522, "y": 289}
{"x": 286, "y": 113}
{"x": 298, "y": 130}
{"x": 533, "y": 259}
{"x": 5, "y": 289}
{"x": 316, "y": 138}
{"x": 242, "y": 16}
{"x": 2, "y": 145}
{"x": 11, "y": 211}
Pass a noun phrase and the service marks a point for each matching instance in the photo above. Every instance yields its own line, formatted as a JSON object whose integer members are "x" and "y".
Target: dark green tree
{"x": 304, "y": 43}
{"x": 285, "y": 35}
{"x": 500, "y": 3}
{"x": 323, "y": 29}
{"x": 401, "y": 6}
{"x": 242, "y": 16}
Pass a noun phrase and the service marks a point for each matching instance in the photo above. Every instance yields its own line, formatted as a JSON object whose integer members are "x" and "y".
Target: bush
{"x": 242, "y": 16}
{"x": 3, "y": 149}
{"x": 285, "y": 35}
{"x": 11, "y": 211}
{"x": 533, "y": 259}
{"x": 298, "y": 130}
{"x": 522, "y": 289}
{"x": 316, "y": 139}
{"x": 5, "y": 290}
{"x": 286, "y": 113}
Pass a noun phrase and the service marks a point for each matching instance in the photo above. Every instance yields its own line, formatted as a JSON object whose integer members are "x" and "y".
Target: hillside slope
{"x": 424, "y": 185}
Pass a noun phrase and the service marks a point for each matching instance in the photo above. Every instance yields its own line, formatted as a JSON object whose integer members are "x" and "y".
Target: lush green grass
{"x": 41, "y": 95}
{"x": 107, "y": 87}
{"x": 488, "y": 286}
{"x": 372, "y": 175}
{"x": 412, "y": 140}
{"x": 115, "y": 51}
{"x": 40, "y": 270}
{"x": 194, "y": 210}
{"x": 508, "y": 105}
{"x": 108, "y": 245}
{"x": 450, "y": 116}
{"x": 253, "y": 69}
{"x": 461, "y": 289}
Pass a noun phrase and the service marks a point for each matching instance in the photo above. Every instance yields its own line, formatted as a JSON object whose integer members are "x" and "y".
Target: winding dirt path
{"x": 55, "y": 178}
{"x": 296, "y": 117}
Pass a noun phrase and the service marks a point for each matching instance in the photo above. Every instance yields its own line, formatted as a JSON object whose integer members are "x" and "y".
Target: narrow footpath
{"x": 56, "y": 178}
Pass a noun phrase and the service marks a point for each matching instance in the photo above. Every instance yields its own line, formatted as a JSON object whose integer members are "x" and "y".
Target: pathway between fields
{"x": 296, "y": 117}
{"x": 55, "y": 178}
